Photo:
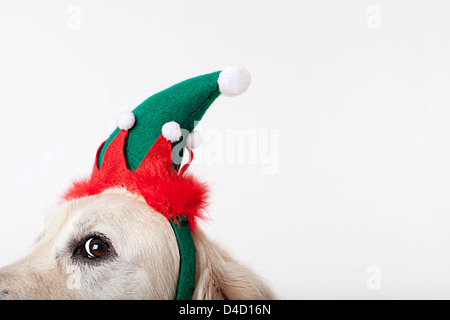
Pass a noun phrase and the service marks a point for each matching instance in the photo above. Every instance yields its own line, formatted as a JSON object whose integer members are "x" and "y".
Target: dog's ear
{"x": 219, "y": 277}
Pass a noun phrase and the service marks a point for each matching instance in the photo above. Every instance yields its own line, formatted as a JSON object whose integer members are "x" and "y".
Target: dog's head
{"x": 107, "y": 246}
{"x": 130, "y": 229}
{"x": 115, "y": 246}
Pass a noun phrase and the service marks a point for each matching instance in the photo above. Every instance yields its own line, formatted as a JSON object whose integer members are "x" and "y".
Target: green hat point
{"x": 183, "y": 105}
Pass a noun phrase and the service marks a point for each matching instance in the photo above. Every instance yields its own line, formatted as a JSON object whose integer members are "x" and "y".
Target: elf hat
{"x": 143, "y": 155}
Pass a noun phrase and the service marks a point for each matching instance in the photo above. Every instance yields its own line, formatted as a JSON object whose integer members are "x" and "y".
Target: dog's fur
{"x": 143, "y": 262}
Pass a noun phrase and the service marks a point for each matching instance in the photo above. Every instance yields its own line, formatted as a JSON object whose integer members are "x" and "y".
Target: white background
{"x": 358, "y": 92}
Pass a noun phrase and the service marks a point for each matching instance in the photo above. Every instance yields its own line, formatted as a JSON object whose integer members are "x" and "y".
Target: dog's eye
{"x": 95, "y": 247}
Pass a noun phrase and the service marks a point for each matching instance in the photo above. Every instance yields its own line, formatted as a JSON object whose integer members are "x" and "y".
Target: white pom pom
{"x": 193, "y": 140}
{"x": 126, "y": 120}
{"x": 233, "y": 81}
{"x": 171, "y": 131}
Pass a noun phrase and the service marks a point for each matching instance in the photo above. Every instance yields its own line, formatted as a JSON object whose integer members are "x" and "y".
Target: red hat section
{"x": 171, "y": 193}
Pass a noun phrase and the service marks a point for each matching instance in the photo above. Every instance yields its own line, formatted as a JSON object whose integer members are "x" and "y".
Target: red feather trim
{"x": 173, "y": 195}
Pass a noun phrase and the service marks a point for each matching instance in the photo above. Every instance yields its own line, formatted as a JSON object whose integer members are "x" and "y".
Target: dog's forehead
{"x": 107, "y": 210}
{"x": 113, "y": 212}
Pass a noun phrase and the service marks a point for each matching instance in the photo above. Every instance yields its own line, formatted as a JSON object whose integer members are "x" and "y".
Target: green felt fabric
{"x": 185, "y": 103}
{"x": 187, "y": 251}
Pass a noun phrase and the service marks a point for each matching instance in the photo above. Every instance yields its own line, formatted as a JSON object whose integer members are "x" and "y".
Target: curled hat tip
{"x": 233, "y": 81}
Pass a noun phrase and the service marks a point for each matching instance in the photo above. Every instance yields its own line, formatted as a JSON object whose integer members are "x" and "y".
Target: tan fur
{"x": 146, "y": 258}
{"x": 220, "y": 277}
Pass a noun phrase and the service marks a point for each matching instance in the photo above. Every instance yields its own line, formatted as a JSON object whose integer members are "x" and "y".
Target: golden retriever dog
{"x": 123, "y": 232}
{"x": 139, "y": 257}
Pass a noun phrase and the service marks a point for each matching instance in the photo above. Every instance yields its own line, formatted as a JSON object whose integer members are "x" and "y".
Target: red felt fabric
{"x": 171, "y": 193}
